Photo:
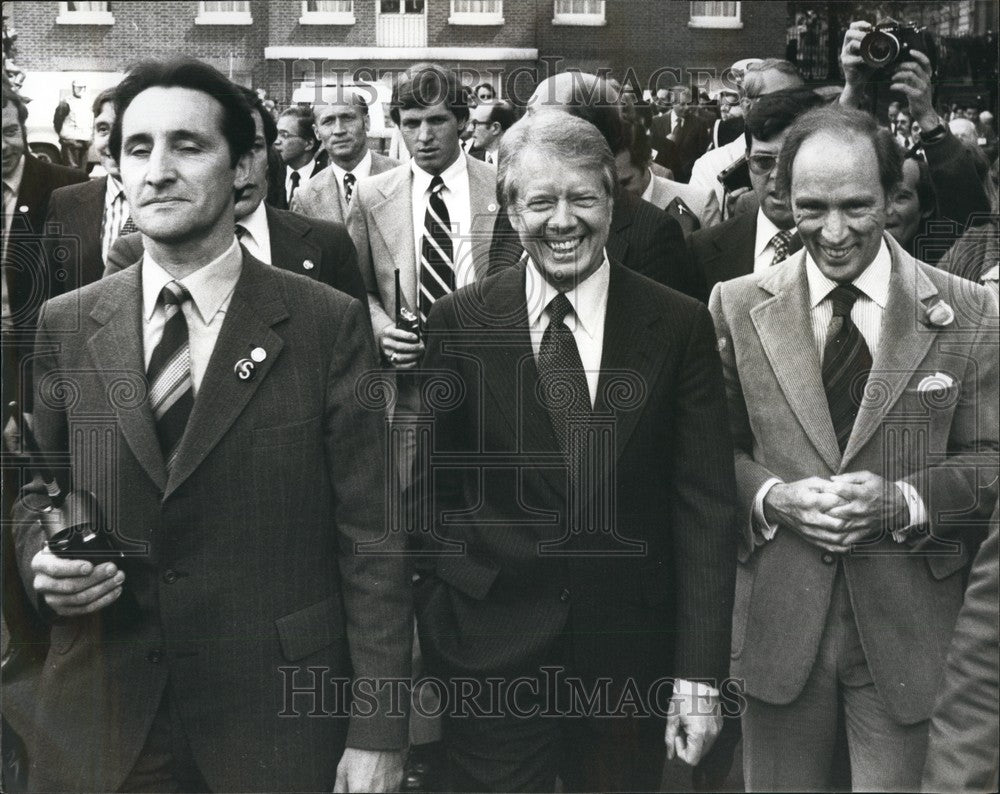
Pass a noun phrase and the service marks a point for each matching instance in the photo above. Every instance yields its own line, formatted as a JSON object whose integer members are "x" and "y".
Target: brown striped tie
{"x": 171, "y": 395}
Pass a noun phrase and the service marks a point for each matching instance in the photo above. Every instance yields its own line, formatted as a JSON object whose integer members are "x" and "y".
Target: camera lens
{"x": 879, "y": 48}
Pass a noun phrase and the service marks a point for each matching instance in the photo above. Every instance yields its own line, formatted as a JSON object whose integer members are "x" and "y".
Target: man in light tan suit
{"x": 863, "y": 401}
{"x": 393, "y": 220}
{"x": 342, "y": 129}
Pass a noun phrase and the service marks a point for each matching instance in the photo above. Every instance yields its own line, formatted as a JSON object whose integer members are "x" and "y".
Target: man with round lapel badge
{"x": 240, "y": 604}
{"x": 863, "y": 399}
{"x": 520, "y": 572}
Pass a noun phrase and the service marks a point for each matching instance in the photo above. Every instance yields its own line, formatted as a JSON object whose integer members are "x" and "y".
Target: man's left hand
{"x": 693, "y": 724}
{"x": 874, "y": 506}
{"x": 369, "y": 770}
{"x": 913, "y": 78}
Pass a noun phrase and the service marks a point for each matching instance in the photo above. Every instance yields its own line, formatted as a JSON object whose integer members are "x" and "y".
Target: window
{"x": 578, "y": 12}
{"x": 223, "y": 13}
{"x": 476, "y": 12}
{"x": 85, "y": 14}
{"x": 327, "y": 12}
{"x": 401, "y": 6}
{"x": 715, "y": 15}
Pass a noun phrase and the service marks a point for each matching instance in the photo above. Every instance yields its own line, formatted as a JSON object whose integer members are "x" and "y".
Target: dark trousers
{"x": 165, "y": 764}
{"x": 792, "y": 747}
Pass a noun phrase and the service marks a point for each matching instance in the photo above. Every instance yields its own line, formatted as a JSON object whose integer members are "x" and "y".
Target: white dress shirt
{"x": 211, "y": 289}
{"x": 763, "y": 250}
{"x": 867, "y": 315}
{"x": 589, "y": 300}
{"x": 257, "y": 237}
{"x": 457, "y": 199}
{"x": 116, "y": 212}
{"x": 360, "y": 171}
{"x": 304, "y": 173}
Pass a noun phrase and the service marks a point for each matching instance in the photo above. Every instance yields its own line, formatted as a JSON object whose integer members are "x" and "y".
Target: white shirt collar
{"x": 361, "y": 170}
{"x": 873, "y": 281}
{"x": 209, "y": 285}
{"x": 588, "y": 298}
{"x": 765, "y": 233}
{"x": 256, "y": 224}
{"x": 115, "y": 187}
{"x": 422, "y": 180}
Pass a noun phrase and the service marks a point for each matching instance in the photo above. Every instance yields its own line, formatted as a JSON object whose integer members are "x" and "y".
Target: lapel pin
{"x": 245, "y": 369}
{"x": 491, "y": 207}
{"x": 939, "y": 314}
{"x": 23, "y": 208}
{"x": 308, "y": 264}
{"x": 258, "y": 354}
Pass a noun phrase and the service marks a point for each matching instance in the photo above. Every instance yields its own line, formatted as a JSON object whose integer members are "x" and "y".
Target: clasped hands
{"x": 837, "y": 513}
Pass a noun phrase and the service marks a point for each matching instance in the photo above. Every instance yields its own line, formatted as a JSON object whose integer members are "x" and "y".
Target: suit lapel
{"x": 734, "y": 249}
{"x": 483, "y": 211}
{"x": 394, "y": 223}
{"x": 903, "y": 344}
{"x": 624, "y": 354}
{"x": 784, "y": 326}
{"x": 256, "y": 305}
{"x": 290, "y": 245}
{"x": 117, "y": 348}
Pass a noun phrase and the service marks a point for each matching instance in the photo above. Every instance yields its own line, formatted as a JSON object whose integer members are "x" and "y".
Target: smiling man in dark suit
{"x": 237, "y": 468}
{"x": 316, "y": 248}
{"x": 581, "y": 517}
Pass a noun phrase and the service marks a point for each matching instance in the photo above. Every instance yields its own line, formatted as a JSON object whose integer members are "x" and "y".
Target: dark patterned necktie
{"x": 560, "y": 372}
{"x": 171, "y": 394}
{"x": 295, "y": 177}
{"x": 847, "y": 362}
{"x": 437, "y": 254}
{"x": 781, "y": 242}
{"x": 349, "y": 180}
{"x": 128, "y": 227}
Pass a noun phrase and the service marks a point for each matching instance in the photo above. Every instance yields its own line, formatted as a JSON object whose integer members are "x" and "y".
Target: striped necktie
{"x": 128, "y": 227}
{"x": 171, "y": 395}
{"x": 847, "y": 362}
{"x": 437, "y": 255}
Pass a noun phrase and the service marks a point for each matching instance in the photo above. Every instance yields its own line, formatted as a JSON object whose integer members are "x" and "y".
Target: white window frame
{"x": 593, "y": 20}
{"x": 222, "y": 17}
{"x": 326, "y": 17}
{"x": 717, "y": 22}
{"x": 67, "y": 17}
{"x": 476, "y": 17}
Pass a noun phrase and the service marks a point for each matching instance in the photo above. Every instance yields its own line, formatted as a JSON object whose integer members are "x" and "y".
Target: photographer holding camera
{"x": 888, "y": 54}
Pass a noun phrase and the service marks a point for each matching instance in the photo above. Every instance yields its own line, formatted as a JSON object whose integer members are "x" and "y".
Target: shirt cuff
{"x": 691, "y": 688}
{"x": 762, "y": 529}
{"x": 915, "y": 506}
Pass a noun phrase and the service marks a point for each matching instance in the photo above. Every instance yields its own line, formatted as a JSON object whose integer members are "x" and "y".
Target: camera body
{"x": 889, "y": 43}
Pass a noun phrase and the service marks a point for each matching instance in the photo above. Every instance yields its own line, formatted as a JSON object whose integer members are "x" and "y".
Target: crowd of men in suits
{"x": 653, "y": 465}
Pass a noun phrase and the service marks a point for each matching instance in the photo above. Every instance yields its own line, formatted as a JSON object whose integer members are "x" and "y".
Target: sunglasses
{"x": 761, "y": 164}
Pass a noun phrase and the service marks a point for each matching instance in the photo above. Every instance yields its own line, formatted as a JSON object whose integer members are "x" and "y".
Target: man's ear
{"x": 462, "y": 125}
{"x": 244, "y": 170}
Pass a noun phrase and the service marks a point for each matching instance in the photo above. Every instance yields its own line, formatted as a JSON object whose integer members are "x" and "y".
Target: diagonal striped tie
{"x": 847, "y": 362}
{"x": 128, "y": 227}
{"x": 171, "y": 396}
{"x": 437, "y": 254}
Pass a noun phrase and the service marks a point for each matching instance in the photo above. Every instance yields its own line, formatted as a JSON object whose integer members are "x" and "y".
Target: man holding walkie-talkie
{"x": 208, "y": 403}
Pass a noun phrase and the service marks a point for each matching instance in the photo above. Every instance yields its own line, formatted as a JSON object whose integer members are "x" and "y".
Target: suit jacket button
{"x": 170, "y": 577}
{"x": 155, "y": 656}
{"x": 564, "y": 595}
{"x": 828, "y": 558}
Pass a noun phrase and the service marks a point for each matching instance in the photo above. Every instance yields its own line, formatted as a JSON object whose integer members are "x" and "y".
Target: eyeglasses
{"x": 284, "y": 135}
{"x": 473, "y": 123}
{"x": 761, "y": 164}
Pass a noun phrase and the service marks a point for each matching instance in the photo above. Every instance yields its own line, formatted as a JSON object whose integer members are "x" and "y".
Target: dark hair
{"x": 303, "y": 115}
{"x": 503, "y": 113}
{"x": 107, "y": 95}
{"x": 926, "y": 195}
{"x": 840, "y": 122}
{"x": 424, "y": 85}
{"x": 637, "y": 144}
{"x": 257, "y": 106}
{"x": 493, "y": 91}
{"x": 772, "y": 114}
{"x": 237, "y": 123}
{"x": 11, "y": 97}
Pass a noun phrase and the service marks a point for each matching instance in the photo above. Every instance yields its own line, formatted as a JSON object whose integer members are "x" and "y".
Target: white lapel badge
{"x": 308, "y": 264}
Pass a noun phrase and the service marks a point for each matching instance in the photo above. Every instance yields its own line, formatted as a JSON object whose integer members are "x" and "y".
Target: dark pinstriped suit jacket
{"x": 247, "y": 566}
{"x": 654, "y": 598}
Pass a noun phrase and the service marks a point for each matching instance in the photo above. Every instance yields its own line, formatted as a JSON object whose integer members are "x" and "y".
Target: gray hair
{"x": 558, "y": 136}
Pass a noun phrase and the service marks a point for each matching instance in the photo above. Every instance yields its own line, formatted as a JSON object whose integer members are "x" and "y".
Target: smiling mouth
{"x": 837, "y": 254}
{"x": 564, "y": 246}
